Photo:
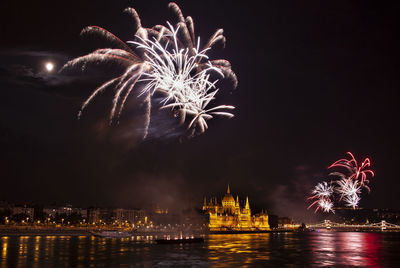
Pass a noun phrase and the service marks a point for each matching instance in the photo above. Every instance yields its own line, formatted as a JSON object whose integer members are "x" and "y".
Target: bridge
{"x": 327, "y": 224}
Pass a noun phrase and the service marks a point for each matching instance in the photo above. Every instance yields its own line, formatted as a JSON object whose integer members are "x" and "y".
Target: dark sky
{"x": 316, "y": 80}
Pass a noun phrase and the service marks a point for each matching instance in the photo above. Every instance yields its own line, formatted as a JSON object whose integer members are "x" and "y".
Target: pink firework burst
{"x": 355, "y": 171}
{"x": 349, "y": 184}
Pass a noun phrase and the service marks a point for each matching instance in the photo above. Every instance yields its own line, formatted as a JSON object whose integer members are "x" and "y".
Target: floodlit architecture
{"x": 230, "y": 216}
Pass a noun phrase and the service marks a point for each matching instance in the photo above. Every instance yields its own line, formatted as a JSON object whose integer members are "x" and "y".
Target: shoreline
{"x": 83, "y": 231}
{"x": 50, "y": 231}
{"x": 252, "y": 231}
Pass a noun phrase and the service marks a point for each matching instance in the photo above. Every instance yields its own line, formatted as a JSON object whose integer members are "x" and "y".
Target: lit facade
{"x": 230, "y": 216}
{"x": 130, "y": 215}
{"x": 23, "y": 210}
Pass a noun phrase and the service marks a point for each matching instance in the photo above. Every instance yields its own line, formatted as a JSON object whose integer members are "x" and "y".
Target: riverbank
{"x": 7, "y": 230}
{"x": 29, "y": 230}
{"x": 252, "y": 231}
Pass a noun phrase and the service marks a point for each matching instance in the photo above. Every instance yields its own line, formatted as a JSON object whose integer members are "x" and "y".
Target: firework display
{"x": 345, "y": 186}
{"x": 167, "y": 60}
{"x": 322, "y": 197}
{"x": 353, "y": 171}
{"x": 349, "y": 191}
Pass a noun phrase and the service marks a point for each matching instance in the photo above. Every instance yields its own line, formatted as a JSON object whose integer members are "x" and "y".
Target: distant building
{"x": 50, "y": 212}
{"x": 68, "y": 210}
{"x": 230, "y": 216}
{"x": 23, "y": 210}
{"x": 285, "y": 222}
{"x": 159, "y": 210}
{"x": 94, "y": 215}
{"x": 4, "y": 206}
{"x": 82, "y": 212}
{"x": 65, "y": 210}
{"x": 130, "y": 215}
{"x": 363, "y": 215}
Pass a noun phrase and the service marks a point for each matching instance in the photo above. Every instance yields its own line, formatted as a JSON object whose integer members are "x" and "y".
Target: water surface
{"x": 314, "y": 249}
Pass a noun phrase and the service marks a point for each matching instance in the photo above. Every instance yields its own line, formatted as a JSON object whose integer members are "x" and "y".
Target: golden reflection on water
{"x": 225, "y": 248}
{"x": 23, "y": 250}
{"x": 4, "y": 251}
{"x": 36, "y": 252}
{"x": 330, "y": 249}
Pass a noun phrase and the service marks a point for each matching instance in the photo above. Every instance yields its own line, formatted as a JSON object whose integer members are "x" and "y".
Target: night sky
{"x": 316, "y": 80}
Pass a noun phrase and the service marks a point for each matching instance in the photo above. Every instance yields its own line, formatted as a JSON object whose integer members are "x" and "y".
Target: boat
{"x": 180, "y": 240}
{"x": 112, "y": 234}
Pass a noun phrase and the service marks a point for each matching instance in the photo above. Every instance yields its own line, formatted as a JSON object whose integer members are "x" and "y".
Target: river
{"x": 313, "y": 249}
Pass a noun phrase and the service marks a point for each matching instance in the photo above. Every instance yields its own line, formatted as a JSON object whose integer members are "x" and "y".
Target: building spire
{"x": 228, "y": 191}
{"x": 247, "y": 203}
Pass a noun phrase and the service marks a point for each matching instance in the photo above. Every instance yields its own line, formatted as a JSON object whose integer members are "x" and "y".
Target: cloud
{"x": 48, "y": 54}
{"x": 27, "y": 68}
{"x": 27, "y": 55}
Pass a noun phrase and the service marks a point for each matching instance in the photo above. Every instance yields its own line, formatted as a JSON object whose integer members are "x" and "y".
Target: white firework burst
{"x": 321, "y": 196}
{"x": 170, "y": 72}
{"x": 323, "y": 189}
{"x": 163, "y": 63}
{"x": 352, "y": 200}
{"x": 349, "y": 190}
{"x": 348, "y": 187}
{"x": 326, "y": 205}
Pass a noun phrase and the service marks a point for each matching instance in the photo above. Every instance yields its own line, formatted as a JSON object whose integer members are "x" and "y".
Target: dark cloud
{"x": 28, "y": 68}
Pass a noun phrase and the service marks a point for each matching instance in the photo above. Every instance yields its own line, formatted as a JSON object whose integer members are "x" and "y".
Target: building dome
{"x": 228, "y": 198}
{"x": 228, "y": 201}
{"x": 230, "y": 216}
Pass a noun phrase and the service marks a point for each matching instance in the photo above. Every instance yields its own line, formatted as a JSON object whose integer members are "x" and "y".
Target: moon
{"x": 49, "y": 66}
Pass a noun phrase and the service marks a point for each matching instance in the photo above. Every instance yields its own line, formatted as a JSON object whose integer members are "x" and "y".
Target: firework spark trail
{"x": 162, "y": 62}
{"x": 348, "y": 186}
{"x": 326, "y": 205}
{"x": 323, "y": 190}
{"x": 356, "y": 172}
{"x": 323, "y": 204}
{"x": 189, "y": 93}
{"x": 350, "y": 191}
{"x": 322, "y": 193}
{"x": 352, "y": 200}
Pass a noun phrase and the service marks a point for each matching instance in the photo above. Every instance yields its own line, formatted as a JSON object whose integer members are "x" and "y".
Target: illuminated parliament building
{"x": 230, "y": 216}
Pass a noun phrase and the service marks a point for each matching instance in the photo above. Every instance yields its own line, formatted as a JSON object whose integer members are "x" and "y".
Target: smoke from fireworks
{"x": 166, "y": 60}
{"x": 348, "y": 184}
